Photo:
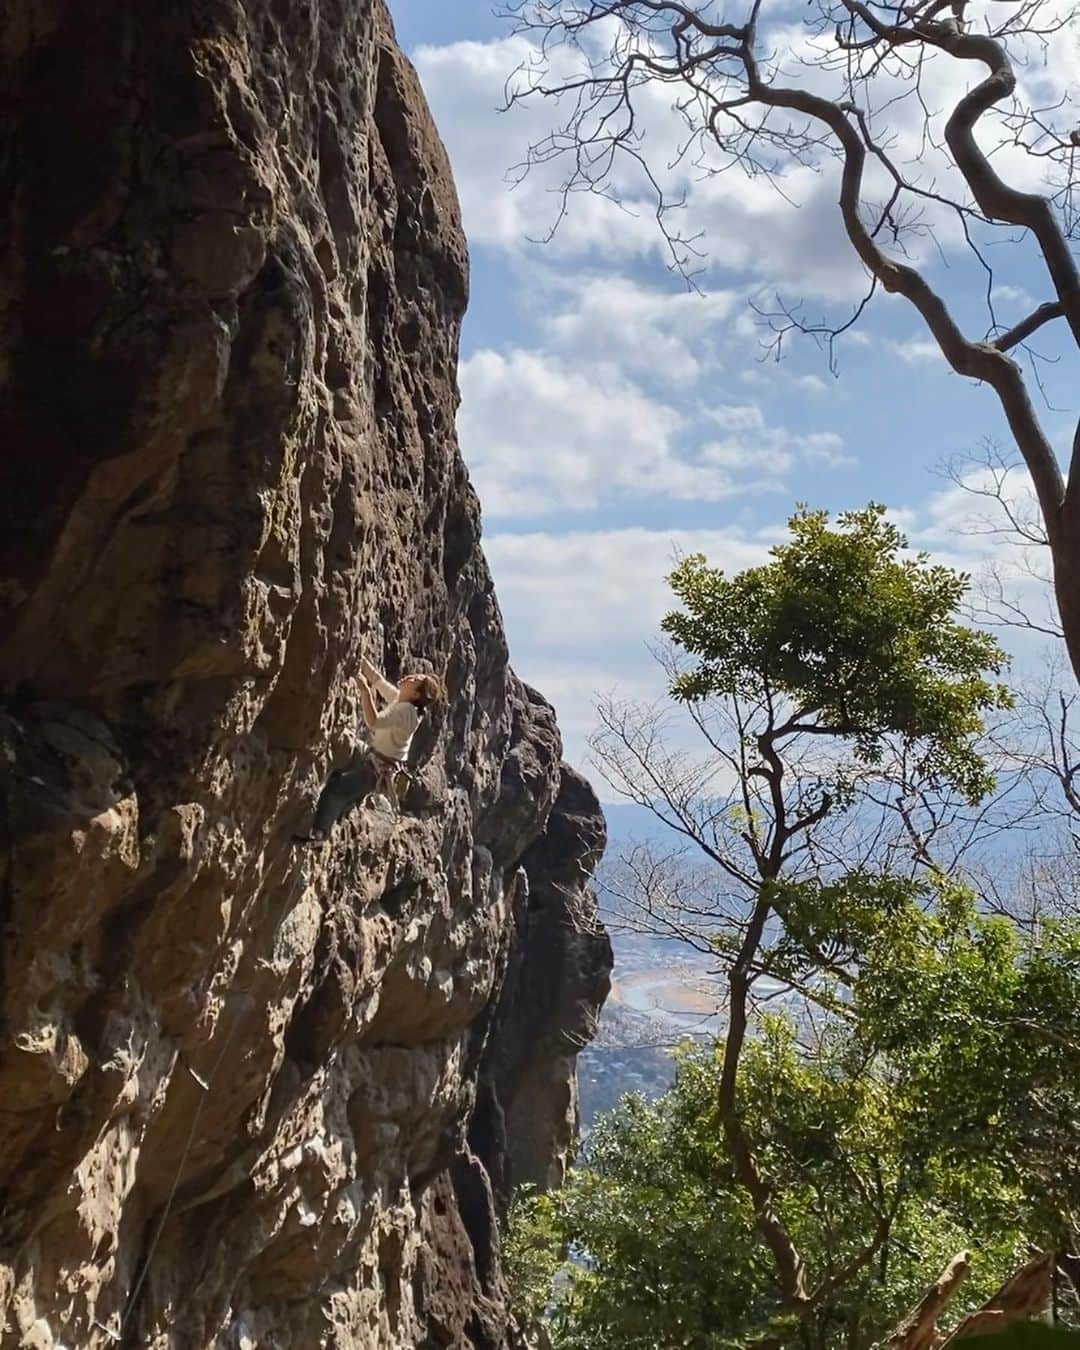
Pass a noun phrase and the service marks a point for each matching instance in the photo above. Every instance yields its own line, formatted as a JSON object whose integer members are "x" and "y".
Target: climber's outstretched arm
{"x": 367, "y": 707}
{"x": 381, "y": 683}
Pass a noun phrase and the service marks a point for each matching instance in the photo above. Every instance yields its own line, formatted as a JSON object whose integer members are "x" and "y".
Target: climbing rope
{"x": 206, "y": 1086}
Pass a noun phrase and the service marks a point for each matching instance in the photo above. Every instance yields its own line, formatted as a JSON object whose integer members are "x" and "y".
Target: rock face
{"x": 253, "y": 1095}
{"x": 558, "y": 978}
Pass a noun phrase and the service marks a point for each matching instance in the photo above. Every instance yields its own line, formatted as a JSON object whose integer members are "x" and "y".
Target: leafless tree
{"x": 1011, "y": 591}
{"x": 1013, "y": 588}
{"x": 1047, "y": 746}
{"x": 752, "y": 97}
{"x": 770, "y": 797}
{"x": 748, "y": 826}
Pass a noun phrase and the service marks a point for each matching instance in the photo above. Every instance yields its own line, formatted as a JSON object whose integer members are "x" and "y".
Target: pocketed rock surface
{"x": 254, "y": 1095}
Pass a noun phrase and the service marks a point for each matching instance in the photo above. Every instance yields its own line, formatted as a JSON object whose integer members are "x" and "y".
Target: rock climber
{"x": 390, "y": 732}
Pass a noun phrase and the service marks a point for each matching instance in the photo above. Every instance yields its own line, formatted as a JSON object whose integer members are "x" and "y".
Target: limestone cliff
{"x": 253, "y": 1095}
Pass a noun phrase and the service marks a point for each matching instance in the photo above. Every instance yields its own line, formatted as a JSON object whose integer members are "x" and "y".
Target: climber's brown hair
{"x": 425, "y": 691}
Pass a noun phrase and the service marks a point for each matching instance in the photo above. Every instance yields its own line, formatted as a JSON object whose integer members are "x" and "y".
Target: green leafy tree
{"x": 850, "y": 638}
{"x": 531, "y": 1248}
{"x": 841, "y": 643}
{"x": 928, "y": 1121}
{"x": 806, "y": 1184}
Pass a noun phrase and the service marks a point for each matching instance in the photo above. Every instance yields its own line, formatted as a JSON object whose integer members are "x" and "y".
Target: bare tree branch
{"x": 1024, "y": 329}
{"x": 742, "y": 110}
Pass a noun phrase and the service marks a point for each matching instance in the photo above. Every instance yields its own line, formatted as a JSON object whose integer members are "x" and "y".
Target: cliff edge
{"x": 253, "y": 1095}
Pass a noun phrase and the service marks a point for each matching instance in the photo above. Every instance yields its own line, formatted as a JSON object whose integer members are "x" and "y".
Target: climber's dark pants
{"x": 344, "y": 788}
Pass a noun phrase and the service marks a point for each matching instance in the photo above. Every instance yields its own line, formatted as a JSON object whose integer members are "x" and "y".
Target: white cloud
{"x": 1015, "y": 295}
{"x": 786, "y": 235}
{"x": 600, "y": 592}
{"x": 466, "y": 85}
{"x": 771, "y": 460}
{"x": 780, "y": 227}
{"x": 582, "y": 608}
{"x": 823, "y": 447}
{"x": 750, "y": 440}
{"x": 670, "y": 336}
{"x": 542, "y": 434}
{"x": 738, "y": 416}
{"x": 772, "y": 374}
{"x": 966, "y": 508}
{"x": 917, "y": 351}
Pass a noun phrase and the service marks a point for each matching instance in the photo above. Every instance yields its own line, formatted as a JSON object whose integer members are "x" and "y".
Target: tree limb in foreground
{"x": 746, "y": 105}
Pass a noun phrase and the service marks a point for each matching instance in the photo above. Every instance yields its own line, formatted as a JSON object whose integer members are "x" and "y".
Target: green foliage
{"x": 531, "y": 1251}
{"x": 931, "y": 1103}
{"x": 1027, "y": 1336}
{"x": 982, "y": 1033}
{"x": 861, "y": 640}
{"x": 674, "y": 1257}
{"x": 942, "y": 1104}
{"x": 980, "y": 1027}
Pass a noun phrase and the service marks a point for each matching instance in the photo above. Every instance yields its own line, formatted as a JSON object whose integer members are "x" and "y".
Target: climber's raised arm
{"x": 388, "y": 691}
{"x": 367, "y": 705}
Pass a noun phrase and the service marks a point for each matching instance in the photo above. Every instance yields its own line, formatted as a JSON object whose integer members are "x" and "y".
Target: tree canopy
{"x": 861, "y": 640}
{"x": 897, "y": 1089}
{"x": 938, "y": 1115}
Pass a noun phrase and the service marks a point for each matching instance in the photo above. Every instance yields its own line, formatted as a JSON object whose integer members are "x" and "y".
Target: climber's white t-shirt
{"x": 394, "y": 729}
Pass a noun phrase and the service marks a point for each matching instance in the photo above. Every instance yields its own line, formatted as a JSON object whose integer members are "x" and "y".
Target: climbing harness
{"x": 394, "y": 777}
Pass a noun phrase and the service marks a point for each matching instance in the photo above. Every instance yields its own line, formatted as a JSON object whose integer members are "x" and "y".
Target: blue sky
{"x": 611, "y": 417}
